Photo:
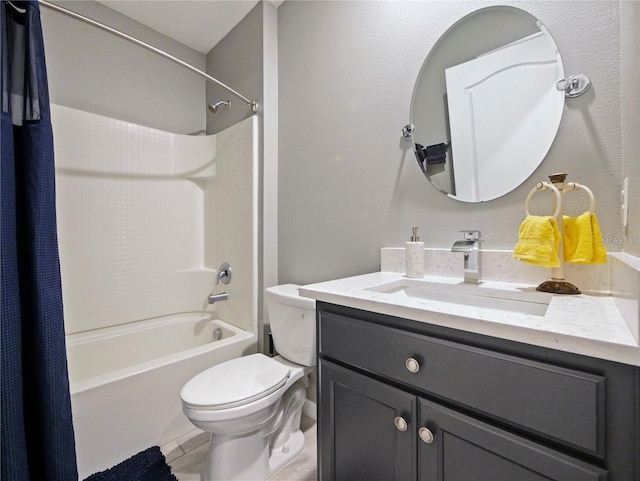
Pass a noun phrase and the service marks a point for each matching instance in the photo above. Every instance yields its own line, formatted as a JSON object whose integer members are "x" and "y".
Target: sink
{"x": 523, "y": 300}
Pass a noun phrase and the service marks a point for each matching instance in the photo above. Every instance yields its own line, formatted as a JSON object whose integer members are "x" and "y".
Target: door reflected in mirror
{"x": 485, "y": 107}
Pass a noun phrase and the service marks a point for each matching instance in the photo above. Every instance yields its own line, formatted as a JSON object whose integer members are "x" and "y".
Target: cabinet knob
{"x": 401, "y": 424}
{"x": 412, "y": 365}
{"x": 426, "y": 435}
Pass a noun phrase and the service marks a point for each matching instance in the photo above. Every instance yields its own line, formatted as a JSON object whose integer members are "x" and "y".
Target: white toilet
{"x": 252, "y": 405}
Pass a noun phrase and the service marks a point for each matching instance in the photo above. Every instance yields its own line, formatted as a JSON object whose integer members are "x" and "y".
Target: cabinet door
{"x": 366, "y": 429}
{"x": 465, "y": 449}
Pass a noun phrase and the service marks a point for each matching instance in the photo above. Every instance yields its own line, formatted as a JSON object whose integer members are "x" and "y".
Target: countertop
{"x": 590, "y": 325}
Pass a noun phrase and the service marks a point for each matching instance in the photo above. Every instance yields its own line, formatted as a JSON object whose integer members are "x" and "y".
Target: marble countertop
{"x": 590, "y": 325}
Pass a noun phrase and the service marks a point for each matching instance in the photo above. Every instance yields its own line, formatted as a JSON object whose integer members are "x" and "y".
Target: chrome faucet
{"x": 470, "y": 246}
{"x": 223, "y": 296}
{"x": 224, "y": 276}
{"x": 224, "y": 273}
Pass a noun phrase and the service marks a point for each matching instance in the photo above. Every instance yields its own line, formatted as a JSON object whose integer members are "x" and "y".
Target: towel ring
{"x": 575, "y": 186}
{"x": 545, "y": 186}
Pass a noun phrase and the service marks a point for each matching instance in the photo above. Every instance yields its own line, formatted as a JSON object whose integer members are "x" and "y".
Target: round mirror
{"x": 485, "y": 108}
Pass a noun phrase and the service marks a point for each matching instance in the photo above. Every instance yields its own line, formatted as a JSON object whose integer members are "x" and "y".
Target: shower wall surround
{"x": 146, "y": 216}
{"x": 231, "y": 197}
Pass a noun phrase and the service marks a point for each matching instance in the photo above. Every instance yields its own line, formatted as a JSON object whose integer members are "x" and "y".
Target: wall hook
{"x": 574, "y": 86}
{"x": 407, "y": 130}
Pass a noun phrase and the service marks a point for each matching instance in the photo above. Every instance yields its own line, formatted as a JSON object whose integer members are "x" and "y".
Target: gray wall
{"x": 95, "y": 71}
{"x": 630, "y": 41}
{"x": 237, "y": 62}
{"x": 349, "y": 185}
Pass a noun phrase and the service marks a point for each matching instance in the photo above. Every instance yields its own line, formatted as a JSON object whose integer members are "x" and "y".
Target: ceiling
{"x": 199, "y": 24}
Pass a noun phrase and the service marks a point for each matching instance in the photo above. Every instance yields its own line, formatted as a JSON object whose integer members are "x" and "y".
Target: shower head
{"x": 214, "y": 107}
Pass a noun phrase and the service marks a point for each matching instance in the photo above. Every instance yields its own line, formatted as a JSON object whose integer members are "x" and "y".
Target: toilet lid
{"x": 236, "y": 382}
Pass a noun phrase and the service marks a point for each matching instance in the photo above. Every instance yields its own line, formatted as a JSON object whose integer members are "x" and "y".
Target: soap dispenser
{"x": 414, "y": 256}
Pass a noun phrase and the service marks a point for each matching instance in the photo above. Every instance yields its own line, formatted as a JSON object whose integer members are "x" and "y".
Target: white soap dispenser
{"x": 414, "y": 256}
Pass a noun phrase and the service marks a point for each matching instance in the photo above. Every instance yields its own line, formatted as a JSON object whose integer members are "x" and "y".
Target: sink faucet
{"x": 470, "y": 246}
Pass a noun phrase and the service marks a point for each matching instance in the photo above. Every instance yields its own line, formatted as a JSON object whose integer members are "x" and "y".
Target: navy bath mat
{"x": 149, "y": 465}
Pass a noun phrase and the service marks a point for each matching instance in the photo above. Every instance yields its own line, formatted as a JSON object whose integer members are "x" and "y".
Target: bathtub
{"x": 126, "y": 382}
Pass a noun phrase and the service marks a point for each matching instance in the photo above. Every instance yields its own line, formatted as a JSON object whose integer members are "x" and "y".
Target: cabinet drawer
{"x": 564, "y": 404}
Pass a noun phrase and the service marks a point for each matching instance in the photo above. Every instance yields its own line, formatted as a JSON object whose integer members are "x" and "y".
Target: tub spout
{"x": 223, "y": 296}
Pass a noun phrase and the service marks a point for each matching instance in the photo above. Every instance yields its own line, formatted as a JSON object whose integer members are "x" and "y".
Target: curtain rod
{"x": 251, "y": 103}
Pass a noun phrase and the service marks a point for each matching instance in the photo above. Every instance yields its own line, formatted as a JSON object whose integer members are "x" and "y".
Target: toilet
{"x": 252, "y": 405}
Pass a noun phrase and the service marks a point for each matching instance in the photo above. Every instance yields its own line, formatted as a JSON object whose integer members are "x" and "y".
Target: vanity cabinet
{"x": 403, "y": 400}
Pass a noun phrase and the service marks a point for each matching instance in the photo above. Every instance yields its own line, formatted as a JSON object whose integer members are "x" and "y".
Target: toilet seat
{"x": 235, "y": 383}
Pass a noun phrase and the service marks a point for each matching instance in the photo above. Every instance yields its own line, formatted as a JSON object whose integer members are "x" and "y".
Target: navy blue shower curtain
{"x": 37, "y": 438}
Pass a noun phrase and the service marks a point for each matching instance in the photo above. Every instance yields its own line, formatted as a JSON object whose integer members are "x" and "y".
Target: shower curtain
{"x": 37, "y": 439}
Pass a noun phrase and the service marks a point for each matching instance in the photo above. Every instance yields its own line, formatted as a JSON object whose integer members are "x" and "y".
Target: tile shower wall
{"x": 232, "y": 219}
{"x": 137, "y": 210}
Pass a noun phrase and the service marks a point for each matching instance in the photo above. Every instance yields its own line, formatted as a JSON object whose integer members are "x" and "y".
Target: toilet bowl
{"x": 251, "y": 406}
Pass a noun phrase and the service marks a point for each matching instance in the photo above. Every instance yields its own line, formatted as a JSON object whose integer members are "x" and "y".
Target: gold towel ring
{"x": 545, "y": 186}
{"x": 575, "y": 186}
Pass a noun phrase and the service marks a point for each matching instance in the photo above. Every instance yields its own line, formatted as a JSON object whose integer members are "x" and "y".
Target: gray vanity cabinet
{"x": 402, "y": 400}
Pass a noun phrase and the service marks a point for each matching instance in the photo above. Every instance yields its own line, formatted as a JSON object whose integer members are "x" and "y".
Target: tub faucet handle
{"x": 224, "y": 273}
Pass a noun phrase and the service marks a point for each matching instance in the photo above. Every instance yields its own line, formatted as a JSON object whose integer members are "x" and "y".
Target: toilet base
{"x": 282, "y": 456}
{"x": 237, "y": 458}
{"x": 256, "y": 455}
{"x": 253, "y": 461}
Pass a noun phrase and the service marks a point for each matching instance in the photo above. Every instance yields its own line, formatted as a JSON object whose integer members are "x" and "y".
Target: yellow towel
{"x": 583, "y": 240}
{"x": 539, "y": 239}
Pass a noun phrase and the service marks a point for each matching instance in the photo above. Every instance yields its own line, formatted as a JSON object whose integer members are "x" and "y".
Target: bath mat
{"x": 148, "y": 465}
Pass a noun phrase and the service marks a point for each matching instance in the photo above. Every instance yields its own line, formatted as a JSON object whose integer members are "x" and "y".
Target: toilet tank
{"x": 293, "y": 323}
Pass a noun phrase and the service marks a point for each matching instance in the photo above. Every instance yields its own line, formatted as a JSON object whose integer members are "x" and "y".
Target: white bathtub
{"x": 126, "y": 381}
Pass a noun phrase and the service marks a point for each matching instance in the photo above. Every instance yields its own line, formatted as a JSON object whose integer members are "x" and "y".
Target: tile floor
{"x": 187, "y": 456}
